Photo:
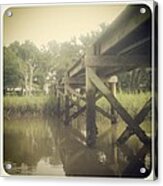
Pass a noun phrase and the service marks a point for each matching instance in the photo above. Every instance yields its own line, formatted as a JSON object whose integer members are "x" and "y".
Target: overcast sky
{"x": 60, "y": 23}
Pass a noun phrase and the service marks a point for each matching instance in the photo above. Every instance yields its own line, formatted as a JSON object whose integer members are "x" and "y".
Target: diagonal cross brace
{"x": 118, "y": 107}
{"x": 138, "y": 120}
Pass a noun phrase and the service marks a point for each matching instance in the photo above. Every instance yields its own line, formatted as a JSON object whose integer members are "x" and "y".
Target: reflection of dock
{"x": 125, "y": 46}
{"x": 80, "y": 160}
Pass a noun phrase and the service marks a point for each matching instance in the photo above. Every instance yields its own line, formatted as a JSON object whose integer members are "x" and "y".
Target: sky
{"x": 57, "y": 22}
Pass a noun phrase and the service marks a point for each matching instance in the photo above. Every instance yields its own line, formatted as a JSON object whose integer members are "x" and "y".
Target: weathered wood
{"x": 66, "y": 101}
{"x": 113, "y": 112}
{"x": 58, "y": 104}
{"x": 118, "y": 107}
{"x": 77, "y": 82}
{"x": 73, "y": 92}
{"x": 90, "y": 110}
{"x": 76, "y": 68}
{"x": 126, "y": 61}
{"x": 76, "y": 103}
{"x": 138, "y": 120}
{"x": 135, "y": 45}
{"x": 76, "y": 114}
{"x": 104, "y": 113}
{"x": 126, "y": 23}
{"x": 112, "y": 82}
{"x": 66, "y": 110}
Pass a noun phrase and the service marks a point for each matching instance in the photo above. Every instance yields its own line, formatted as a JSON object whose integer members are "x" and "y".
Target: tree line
{"x": 29, "y": 67}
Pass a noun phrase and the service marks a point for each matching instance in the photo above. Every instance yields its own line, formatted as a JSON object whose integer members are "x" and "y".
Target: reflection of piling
{"x": 90, "y": 111}
{"x": 112, "y": 82}
{"x": 58, "y": 103}
{"x": 66, "y": 96}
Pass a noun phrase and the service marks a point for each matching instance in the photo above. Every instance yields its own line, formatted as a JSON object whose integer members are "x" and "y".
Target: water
{"x": 44, "y": 146}
{"x": 30, "y": 146}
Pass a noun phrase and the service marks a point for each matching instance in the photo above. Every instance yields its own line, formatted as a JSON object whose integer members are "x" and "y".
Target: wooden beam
{"x": 73, "y": 92}
{"x": 77, "y": 82}
{"x": 90, "y": 111}
{"x": 127, "y": 61}
{"x": 138, "y": 120}
{"x": 126, "y": 23}
{"x": 58, "y": 104}
{"x": 76, "y": 114}
{"x": 77, "y": 68}
{"x": 134, "y": 46}
{"x": 104, "y": 113}
{"x": 112, "y": 84}
{"x": 66, "y": 96}
{"x": 118, "y": 107}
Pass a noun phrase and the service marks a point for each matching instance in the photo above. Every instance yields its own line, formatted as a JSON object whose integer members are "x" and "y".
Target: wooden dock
{"x": 126, "y": 45}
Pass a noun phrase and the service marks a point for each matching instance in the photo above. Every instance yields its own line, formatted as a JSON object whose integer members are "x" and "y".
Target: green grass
{"x": 30, "y": 105}
{"x": 36, "y": 105}
{"x": 133, "y": 103}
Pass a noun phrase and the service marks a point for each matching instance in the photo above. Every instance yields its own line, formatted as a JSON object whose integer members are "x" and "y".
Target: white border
{"x": 4, "y": 7}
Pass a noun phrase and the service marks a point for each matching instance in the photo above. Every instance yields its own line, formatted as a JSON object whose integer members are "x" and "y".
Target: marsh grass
{"x": 16, "y": 106}
{"x": 133, "y": 103}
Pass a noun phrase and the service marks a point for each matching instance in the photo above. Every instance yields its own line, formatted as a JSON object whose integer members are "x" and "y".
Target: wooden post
{"x": 66, "y": 103}
{"x": 112, "y": 81}
{"x": 78, "y": 124}
{"x": 58, "y": 100}
{"x": 90, "y": 111}
{"x": 58, "y": 104}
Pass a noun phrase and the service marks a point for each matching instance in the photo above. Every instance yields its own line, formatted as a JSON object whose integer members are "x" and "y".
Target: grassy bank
{"x": 133, "y": 103}
{"x": 15, "y": 106}
{"x": 20, "y": 106}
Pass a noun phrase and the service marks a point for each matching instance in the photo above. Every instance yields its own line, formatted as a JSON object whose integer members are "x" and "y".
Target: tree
{"x": 12, "y": 71}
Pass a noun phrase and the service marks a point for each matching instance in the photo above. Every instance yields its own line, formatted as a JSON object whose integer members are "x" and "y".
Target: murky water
{"x": 30, "y": 147}
{"x": 39, "y": 146}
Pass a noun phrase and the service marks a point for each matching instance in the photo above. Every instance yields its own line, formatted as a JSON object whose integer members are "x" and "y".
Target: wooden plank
{"x": 66, "y": 110}
{"x": 118, "y": 107}
{"x": 138, "y": 120}
{"x": 77, "y": 68}
{"x": 135, "y": 45}
{"x": 76, "y": 103}
{"x": 112, "y": 82}
{"x": 90, "y": 111}
{"x": 76, "y": 114}
{"x": 104, "y": 113}
{"x": 77, "y": 82}
{"x": 126, "y": 23}
{"x": 58, "y": 104}
{"x": 73, "y": 92}
{"x": 129, "y": 61}
{"x": 66, "y": 85}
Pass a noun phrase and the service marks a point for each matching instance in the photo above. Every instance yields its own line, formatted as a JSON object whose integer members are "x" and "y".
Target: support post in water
{"x": 58, "y": 101}
{"x": 112, "y": 82}
{"x": 90, "y": 111}
{"x": 66, "y": 96}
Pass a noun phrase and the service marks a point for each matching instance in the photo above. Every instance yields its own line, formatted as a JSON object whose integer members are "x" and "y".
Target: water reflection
{"x": 30, "y": 146}
{"x": 38, "y": 146}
